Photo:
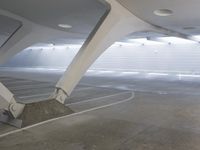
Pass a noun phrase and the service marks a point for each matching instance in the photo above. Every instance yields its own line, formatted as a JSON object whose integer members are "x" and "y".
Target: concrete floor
{"x": 164, "y": 115}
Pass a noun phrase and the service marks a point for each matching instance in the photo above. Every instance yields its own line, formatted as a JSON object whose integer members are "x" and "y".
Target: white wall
{"x": 163, "y": 58}
{"x": 182, "y": 58}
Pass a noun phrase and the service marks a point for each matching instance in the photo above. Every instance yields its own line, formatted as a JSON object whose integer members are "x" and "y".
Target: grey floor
{"x": 163, "y": 115}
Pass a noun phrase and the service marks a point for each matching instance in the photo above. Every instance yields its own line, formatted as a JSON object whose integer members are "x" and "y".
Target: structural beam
{"x": 8, "y": 103}
{"x": 168, "y": 32}
{"x": 117, "y": 23}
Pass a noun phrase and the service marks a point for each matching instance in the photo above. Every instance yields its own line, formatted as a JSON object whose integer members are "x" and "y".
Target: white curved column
{"x": 8, "y": 103}
{"x": 118, "y": 23}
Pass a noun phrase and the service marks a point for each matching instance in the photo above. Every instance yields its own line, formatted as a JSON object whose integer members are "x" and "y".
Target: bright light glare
{"x": 119, "y": 44}
{"x": 67, "y": 26}
{"x": 177, "y": 40}
{"x": 189, "y": 75}
{"x": 70, "y": 46}
{"x": 106, "y": 71}
{"x": 158, "y": 74}
{"x": 196, "y": 37}
{"x": 89, "y": 71}
{"x": 145, "y": 41}
{"x": 129, "y": 73}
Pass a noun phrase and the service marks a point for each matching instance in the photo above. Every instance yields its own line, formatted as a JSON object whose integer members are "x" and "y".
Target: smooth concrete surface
{"x": 27, "y": 91}
{"x": 150, "y": 121}
{"x": 164, "y": 115}
{"x": 84, "y": 97}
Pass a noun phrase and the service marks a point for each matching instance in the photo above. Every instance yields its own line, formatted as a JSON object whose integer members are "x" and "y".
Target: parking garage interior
{"x": 99, "y": 75}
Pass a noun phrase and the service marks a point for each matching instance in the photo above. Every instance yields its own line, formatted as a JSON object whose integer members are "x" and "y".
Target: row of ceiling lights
{"x": 130, "y": 42}
{"x": 159, "y": 41}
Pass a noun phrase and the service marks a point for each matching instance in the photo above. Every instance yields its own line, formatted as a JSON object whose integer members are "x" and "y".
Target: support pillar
{"x": 8, "y": 102}
{"x": 117, "y": 23}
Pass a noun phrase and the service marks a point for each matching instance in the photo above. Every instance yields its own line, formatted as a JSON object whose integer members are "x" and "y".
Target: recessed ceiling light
{"x": 66, "y": 26}
{"x": 163, "y": 12}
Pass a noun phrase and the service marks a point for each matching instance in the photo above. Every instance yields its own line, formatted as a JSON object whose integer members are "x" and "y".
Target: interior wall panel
{"x": 160, "y": 58}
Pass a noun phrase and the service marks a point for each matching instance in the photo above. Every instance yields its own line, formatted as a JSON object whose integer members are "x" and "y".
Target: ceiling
{"x": 7, "y": 27}
{"x": 185, "y": 13}
{"x": 83, "y": 15}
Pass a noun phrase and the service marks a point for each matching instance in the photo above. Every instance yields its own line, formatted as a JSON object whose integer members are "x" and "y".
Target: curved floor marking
{"x": 82, "y": 89}
{"x": 78, "y": 113}
{"x": 96, "y": 99}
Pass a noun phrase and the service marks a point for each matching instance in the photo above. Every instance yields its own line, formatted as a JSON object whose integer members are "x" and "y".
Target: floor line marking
{"x": 82, "y": 89}
{"x": 95, "y": 99}
{"x": 71, "y": 115}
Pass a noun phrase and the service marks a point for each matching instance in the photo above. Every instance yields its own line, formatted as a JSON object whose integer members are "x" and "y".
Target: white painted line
{"x": 149, "y": 91}
{"x": 96, "y": 99}
{"x": 28, "y": 87}
{"x": 82, "y": 89}
{"x": 29, "y": 96}
{"x": 18, "y": 81}
{"x": 85, "y": 84}
{"x": 72, "y": 115}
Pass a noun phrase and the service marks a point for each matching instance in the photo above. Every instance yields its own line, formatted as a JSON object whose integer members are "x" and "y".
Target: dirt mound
{"x": 37, "y": 112}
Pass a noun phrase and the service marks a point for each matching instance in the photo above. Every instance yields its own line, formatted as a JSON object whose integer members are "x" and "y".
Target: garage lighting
{"x": 66, "y": 26}
{"x": 106, "y": 71}
{"x": 120, "y": 44}
{"x": 163, "y": 12}
{"x": 196, "y": 37}
{"x": 176, "y": 40}
{"x": 158, "y": 74}
{"x": 145, "y": 41}
{"x": 70, "y": 46}
{"x": 189, "y": 75}
{"x": 90, "y": 71}
{"x": 130, "y": 73}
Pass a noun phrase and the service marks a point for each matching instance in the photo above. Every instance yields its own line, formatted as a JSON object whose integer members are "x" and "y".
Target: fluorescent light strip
{"x": 158, "y": 74}
{"x": 188, "y": 75}
{"x": 107, "y": 71}
{"x": 119, "y": 44}
{"x": 55, "y": 47}
{"x": 177, "y": 40}
{"x": 145, "y": 41}
{"x": 196, "y": 37}
{"x": 126, "y": 72}
{"x": 91, "y": 71}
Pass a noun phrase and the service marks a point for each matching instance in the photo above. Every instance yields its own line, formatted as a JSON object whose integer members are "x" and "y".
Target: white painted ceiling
{"x": 7, "y": 27}
{"x": 186, "y": 13}
{"x": 84, "y": 14}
